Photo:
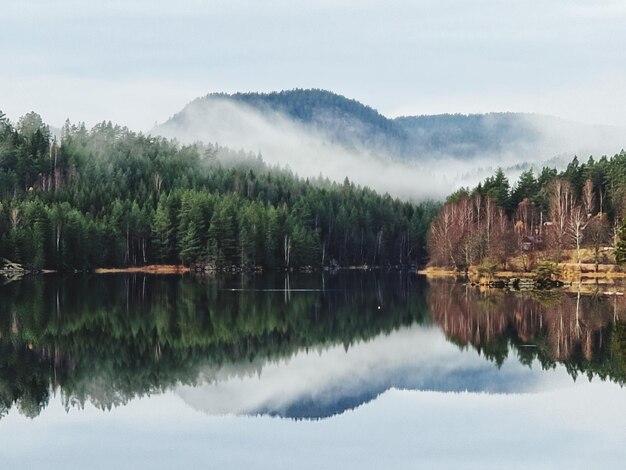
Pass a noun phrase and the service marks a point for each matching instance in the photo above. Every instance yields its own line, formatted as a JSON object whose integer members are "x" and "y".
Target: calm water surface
{"x": 347, "y": 370}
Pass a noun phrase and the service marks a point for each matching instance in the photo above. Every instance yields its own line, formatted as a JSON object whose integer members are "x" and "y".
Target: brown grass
{"x": 151, "y": 269}
{"x": 571, "y": 270}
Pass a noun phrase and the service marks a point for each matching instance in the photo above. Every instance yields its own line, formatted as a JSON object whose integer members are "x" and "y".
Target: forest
{"x": 543, "y": 216}
{"x": 110, "y": 197}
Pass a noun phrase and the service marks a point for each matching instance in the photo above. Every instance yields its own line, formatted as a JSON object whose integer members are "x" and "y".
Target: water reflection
{"x": 297, "y": 345}
{"x": 107, "y": 339}
{"x": 584, "y": 332}
{"x": 317, "y": 385}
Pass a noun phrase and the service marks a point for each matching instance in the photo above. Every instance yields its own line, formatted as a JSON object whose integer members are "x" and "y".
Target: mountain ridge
{"x": 316, "y": 132}
{"x": 355, "y": 125}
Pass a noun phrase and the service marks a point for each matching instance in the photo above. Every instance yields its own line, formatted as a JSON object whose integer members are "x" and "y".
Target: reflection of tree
{"x": 582, "y": 332}
{"x": 108, "y": 339}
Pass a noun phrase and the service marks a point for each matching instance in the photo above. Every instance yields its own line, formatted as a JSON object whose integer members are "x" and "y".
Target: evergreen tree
{"x": 497, "y": 188}
{"x": 620, "y": 244}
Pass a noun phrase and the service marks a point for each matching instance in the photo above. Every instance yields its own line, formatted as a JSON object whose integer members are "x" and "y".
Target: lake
{"x": 325, "y": 370}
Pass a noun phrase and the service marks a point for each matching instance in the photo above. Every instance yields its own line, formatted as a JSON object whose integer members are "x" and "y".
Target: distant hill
{"x": 468, "y": 135}
{"x": 338, "y": 120}
{"x": 317, "y": 132}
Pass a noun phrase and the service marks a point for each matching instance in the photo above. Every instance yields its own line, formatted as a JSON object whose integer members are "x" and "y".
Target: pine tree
{"x": 163, "y": 232}
{"x": 190, "y": 246}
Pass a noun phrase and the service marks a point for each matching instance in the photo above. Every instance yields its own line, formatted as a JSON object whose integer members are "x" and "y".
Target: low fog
{"x": 310, "y": 151}
{"x": 326, "y": 381}
{"x": 307, "y": 152}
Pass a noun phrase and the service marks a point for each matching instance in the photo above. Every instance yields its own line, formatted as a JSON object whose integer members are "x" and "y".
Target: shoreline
{"x": 570, "y": 271}
{"x": 149, "y": 269}
{"x": 182, "y": 269}
{"x": 606, "y": 282}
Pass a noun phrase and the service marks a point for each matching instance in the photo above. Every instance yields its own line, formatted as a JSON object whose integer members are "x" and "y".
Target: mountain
{"x": 346, "y": 120}
{"x": 332, "y": 117}
{"x": 317, "y": 132}
{"x": 468, "y": 136}
{"x": 351, "y": 124}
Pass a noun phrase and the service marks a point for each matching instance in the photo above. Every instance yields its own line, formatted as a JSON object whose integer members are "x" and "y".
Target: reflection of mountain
{"x": 287, "y": 345}
{"x": 318, "y": 384}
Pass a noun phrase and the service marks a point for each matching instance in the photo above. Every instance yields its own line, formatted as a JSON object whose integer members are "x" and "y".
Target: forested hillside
{"x": 110, "y": 197}
{"x": 537, "y": 218}
{"x": 468, "y": 136}
{"x": 352, "y": 124}
{"x": 340, "y": 120}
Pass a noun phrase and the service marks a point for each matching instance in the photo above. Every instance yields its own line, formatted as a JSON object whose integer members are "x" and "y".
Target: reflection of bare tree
{"x": 560, "y": 324}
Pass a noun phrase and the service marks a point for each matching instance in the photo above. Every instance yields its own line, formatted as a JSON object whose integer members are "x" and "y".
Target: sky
{"x": 138, "y": 62}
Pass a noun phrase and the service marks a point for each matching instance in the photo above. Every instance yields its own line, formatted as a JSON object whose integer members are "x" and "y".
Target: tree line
{"x": 541, "y": 216}
{"x": 109, "y": 197}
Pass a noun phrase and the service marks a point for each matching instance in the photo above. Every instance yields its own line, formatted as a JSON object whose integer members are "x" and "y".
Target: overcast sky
{"x": 137, "y": 63}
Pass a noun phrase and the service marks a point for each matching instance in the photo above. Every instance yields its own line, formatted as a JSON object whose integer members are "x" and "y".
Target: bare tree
{"x": 589, "y": 198}
{"x": 15, "y": 217}
{"x": 526, "y": 218}
{"x": 467, "y": 230}
{"x": 503, "y": 244}
{"x": 561, "y": 203}
{"x": 527, "y": 232}
{"x": 440, "y": 237}
{"x": 598, "y": 233}
{"x": 490, "y": 215}
{"x": 454, "y": 238}
{"x": 466, "y": 226}
{"x": 577, "y": 223}
{"x": 478, "y": 205}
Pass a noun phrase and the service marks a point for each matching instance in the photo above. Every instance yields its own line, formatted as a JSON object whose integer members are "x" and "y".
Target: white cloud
{"x": 577, "y": 428}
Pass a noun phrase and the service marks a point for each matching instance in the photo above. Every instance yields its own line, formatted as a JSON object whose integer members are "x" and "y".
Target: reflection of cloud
{"x": 581, "y": 427}
{"x": 322, "y": 383}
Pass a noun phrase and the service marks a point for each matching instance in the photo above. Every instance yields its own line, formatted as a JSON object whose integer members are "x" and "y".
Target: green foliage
{"x": 497, "y": 188}
{"x": 110, "y": 197}
{"x": 620, "y": 245}
{"x": 527, "y": 187}
{"x": 488, "y": 268}
{"x": 546, "y": 272}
